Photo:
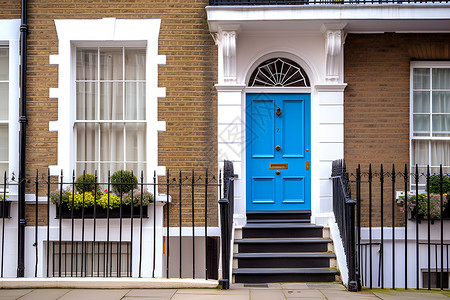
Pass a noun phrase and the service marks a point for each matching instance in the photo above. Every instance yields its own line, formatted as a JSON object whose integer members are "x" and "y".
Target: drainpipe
{"x": 22, "y": 141}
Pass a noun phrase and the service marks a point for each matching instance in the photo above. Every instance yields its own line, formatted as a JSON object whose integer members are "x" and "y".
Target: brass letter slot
{"x": 278, "y": 166}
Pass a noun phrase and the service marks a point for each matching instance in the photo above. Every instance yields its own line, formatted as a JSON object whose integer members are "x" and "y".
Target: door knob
{"x": 278, "y": 111}
{"x": 278, "y": 148}
{"x": 277, "y": 172}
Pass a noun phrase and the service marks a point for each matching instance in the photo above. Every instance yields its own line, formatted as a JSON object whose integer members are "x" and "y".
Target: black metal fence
{"x": 317, "y": 2}
{"x": 87, "y": 228}
{"x": 401, "y": 224}
{"x": 226, "y": 223}
{"x": 344, "y": 211}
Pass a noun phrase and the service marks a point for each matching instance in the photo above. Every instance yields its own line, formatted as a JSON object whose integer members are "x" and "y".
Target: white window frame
{"x": 415, "y": 65}
{"x": 10, "y": 36}
{"x": 99, "y": 32}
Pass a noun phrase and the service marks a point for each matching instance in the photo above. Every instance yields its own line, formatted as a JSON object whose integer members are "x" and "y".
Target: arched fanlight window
{"x": 279, "y": 72}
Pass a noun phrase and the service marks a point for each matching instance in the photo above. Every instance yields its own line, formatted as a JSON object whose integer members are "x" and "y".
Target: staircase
{"x": 283, "y": 247}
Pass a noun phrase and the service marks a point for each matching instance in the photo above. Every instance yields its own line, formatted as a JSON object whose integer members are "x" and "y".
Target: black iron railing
{"x": 88, "y": 228}
{"x": 226, "y": 223}
{"x": 317, "y": 2}
{"x": 344, "y": 212}
{"x": 401, "y": 220}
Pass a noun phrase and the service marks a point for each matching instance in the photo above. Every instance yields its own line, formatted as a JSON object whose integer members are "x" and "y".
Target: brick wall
{"x": 190, "y": 108}
{"x": 9, "y": 9}
{"x": 377, "y": 100}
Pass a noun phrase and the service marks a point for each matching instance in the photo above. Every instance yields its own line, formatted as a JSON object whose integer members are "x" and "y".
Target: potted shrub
{"x": 435, "y": 188}
{"x": 421, "y": 200}
{"x": 100, "y": 203}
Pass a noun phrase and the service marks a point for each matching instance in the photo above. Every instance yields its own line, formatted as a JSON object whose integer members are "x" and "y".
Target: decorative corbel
{"x": 334, "y": 40}
{"x": 227, "y": 50}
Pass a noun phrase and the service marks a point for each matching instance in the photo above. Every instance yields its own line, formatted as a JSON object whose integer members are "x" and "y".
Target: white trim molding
{"x": 10, "y": 35}
{"x": 72, "y": 33}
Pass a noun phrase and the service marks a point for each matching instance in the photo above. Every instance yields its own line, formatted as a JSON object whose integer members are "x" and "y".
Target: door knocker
{"x": 278, "y": 111}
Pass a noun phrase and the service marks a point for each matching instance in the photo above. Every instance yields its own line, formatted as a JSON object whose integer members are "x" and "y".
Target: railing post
{"x": 224, "y": 215}
{"x": 353, "y": 285}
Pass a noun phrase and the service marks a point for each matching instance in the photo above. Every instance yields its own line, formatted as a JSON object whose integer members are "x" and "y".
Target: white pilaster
{"x": 231, "y": 138}
{"x": 330, "y": 144}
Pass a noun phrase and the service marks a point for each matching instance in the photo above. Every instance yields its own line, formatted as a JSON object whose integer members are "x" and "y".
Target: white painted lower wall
{"x": 399, "y": 266}
{"x": 10, "y": 240}
{"x": 341, "y": 258}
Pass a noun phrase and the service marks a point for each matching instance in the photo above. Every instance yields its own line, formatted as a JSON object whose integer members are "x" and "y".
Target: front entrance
{"x": 278, "y": 133}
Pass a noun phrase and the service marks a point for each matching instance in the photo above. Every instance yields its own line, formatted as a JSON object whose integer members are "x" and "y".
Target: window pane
{"x": 4, "y": 101}
{"x": 421, "y": 102}
{"x": 440, "y": 153}
{"x": 4, "y": 63}
{"x": 135, "y": 141}
{"x": 135, "y": 101}
{"x": 137, "y": 169}
{"x": 420, "y": 152}
{"x": 89, "y": 168}
{"x": 4, "y": 142}
{"x": 111, "y": 64}
{"x": 111, "y": 101}
{"x": 441, "y": 79}
{"x": 421, "y": 79}
{"x": 441, "y": 102}
{"x": 441, "y": 125}
{"x": 111, "y": 145}
{"x": 4, "y": 167}
{"x": 421, "y": 125}
{"x": 87, "y": 64}
{"x": 87, "y": 103}
{"x": 135, "y": 64}
{"x": 87, "y": 141}
{"x": 106, "y": 167}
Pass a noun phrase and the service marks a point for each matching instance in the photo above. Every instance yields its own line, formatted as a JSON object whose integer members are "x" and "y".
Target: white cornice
{"x": 360, "y": 18}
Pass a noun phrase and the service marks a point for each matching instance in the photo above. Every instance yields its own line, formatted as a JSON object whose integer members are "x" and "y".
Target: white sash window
{"x": 4, "y": 111}
{"x": 430, "y": 112}
{"x": 110, "y": 124}
{"x": 107, "y": 96}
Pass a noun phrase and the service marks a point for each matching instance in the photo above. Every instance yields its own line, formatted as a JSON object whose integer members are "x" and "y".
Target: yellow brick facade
{"x": 190, "y": 105}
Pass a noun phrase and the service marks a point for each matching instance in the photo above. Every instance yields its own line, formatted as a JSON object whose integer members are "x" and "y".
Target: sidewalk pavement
{"x": 271, "y": 291}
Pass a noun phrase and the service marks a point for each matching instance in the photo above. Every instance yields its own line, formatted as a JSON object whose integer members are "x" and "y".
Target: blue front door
{"x": 278, "y": 157}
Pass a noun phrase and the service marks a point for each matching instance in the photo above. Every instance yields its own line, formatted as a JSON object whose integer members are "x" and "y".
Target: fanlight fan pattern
{"x": 279, "y": 72}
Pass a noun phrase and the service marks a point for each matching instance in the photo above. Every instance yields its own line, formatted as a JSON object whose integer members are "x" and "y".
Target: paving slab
{"x": 95, "y": 294}
{"x": 326, "y": 286}
{"x": 45, "y": 294}
{"x": 267, "y": 294}
{"x": 185, "y": 296}
{"x": 295, "y": 286}
{"x": 14, "y": 292}
{"x": 343, "y": 294}
{"x": 150, "y": 293}
{"x": 305, "y": 294}
{"x": 213, "y": 291}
